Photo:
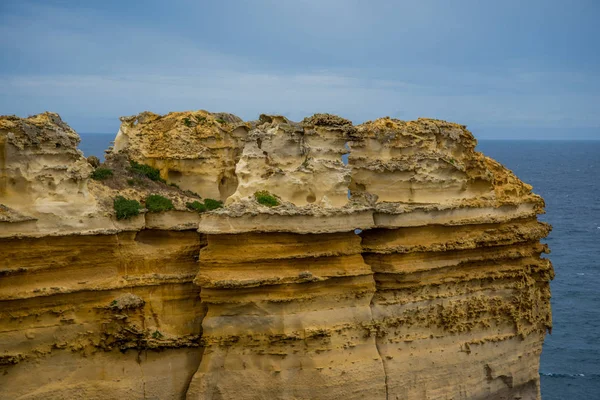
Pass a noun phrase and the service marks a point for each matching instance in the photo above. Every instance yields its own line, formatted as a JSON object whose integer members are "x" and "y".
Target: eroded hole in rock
{"x": 311, "y": 198}
{"x": 174, "y": 175}
{"x": 345, "y": 156}
{"x": 227, "y": 185}
{"x": 151, "y": 237}
{"x": 355, "y": 188}
{"x": 57, "y": 145}
{"x": 480, "y": 186}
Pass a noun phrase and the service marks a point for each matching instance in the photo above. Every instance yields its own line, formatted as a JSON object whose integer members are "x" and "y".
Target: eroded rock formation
{"x": 412, "y": 271}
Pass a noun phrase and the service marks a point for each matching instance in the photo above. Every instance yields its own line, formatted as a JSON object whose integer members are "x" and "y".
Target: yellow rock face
{"x": 196, "y": 150}
{"x": 443, "y": 294}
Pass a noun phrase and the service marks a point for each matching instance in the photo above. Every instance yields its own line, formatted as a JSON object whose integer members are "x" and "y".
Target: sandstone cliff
{"x": 412, "y": 271}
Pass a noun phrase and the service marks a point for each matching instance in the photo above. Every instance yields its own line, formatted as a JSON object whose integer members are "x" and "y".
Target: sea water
{"x": 567, "y": 175}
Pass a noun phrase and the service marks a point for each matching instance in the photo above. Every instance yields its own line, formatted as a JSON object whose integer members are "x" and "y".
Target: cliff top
{"x": 402, "y": 169}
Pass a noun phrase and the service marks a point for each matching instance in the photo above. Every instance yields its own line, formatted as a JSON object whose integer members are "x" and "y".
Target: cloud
{"x": 294, "y": 95}
{"x": 95, "y": 62}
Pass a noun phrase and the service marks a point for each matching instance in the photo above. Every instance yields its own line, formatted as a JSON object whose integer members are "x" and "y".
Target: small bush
{"x": 187, "y": 122}
{"x": 101, "y": 174}
{"x": 126, "y": 208}
{"x": 266, "y": 199}
{"x": 147, "y": 171}
{"x": 196, "y": 206}
{"x": 156, "y": 334}
{"x": 158, "y": 203}
{"x": 221, "y": 120}
{"x": 211, "y": 204}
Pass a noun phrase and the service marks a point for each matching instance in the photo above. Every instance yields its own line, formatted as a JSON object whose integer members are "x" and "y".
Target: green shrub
{"x": 221, "y": 120}
{"x": 126, "y": 208}
{"x": 187, "y": 122}
{"x": 211, "y": 204}
{"x": 158, "y": 203}
{"x": 147, "y": 171}
{"x": 156, "y": 334}
{"x": 196, "y": 206}
{"x": 266, "y": 199}
{"x": 101, "y": 174}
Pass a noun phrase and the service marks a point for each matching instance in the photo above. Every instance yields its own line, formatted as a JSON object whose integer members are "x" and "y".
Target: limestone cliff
{"x": 440, "y": 294}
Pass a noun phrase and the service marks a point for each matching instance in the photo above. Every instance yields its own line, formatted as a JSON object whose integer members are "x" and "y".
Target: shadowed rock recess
{"x": 413, "y": 271}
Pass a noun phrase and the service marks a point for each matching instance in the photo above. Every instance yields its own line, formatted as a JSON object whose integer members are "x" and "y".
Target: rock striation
{"x": 411, "y": 271}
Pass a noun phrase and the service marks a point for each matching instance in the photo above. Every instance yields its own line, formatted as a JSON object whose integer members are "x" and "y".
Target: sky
{"x": 507, "y": 69}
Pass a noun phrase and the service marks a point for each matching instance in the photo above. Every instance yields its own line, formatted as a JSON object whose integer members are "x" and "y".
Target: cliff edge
{"x": 213, "y": 258}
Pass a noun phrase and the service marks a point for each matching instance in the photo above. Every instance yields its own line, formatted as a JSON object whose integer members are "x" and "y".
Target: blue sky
{"x": 507, "y": 69}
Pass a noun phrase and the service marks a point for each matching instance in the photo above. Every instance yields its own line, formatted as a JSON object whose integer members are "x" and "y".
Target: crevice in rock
{"x": 203, "y": 307}
{"x": 385, "y": 376}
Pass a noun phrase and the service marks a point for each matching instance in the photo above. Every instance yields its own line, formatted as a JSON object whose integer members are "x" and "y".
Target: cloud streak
{"x": 93, "y": 65}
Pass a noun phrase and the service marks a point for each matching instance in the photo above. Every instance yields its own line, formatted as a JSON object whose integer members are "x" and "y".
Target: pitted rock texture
{"x": 442, "y": 293}
{"x": 300, "y": 163}
{"x": 196, "y": 150}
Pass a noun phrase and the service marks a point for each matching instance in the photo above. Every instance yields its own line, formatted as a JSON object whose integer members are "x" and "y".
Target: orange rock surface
{"x": 442, "y": 293}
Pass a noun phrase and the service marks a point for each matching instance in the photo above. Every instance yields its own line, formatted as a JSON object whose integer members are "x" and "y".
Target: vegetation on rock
{"x": 196, "y": 206}
{"x": 147, "y": 171}
{"x": 126, "y": 208}
{"x": 158, "y": 203}
{"x": 211, "y": 204}
{"x": 100, "y": 174}
{"x": 266, "y": 199}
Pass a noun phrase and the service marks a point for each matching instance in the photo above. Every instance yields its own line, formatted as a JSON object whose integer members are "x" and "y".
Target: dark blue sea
{"x": 567, "y": 175}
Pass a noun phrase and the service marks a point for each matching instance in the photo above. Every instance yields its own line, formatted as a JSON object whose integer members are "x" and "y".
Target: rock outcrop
{"x": 413, "y": 271}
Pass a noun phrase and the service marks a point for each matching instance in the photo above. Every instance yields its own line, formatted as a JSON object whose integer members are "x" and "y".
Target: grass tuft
{"x": 266, "y": 199}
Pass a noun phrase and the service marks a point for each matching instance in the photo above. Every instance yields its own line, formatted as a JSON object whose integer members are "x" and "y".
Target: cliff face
{"x": 443, "y": 294}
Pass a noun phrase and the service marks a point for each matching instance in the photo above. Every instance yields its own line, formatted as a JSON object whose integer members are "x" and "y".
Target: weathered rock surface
{"x": 442, "y": 295}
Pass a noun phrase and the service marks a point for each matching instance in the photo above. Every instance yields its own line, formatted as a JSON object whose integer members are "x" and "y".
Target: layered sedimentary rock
{"x": 42, "y": 174}
{"x": 300, "y": 163}
{"x": 442, "y": 295}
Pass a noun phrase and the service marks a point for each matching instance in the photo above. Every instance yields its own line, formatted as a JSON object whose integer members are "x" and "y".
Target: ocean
{"x": 567, "y": 175}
